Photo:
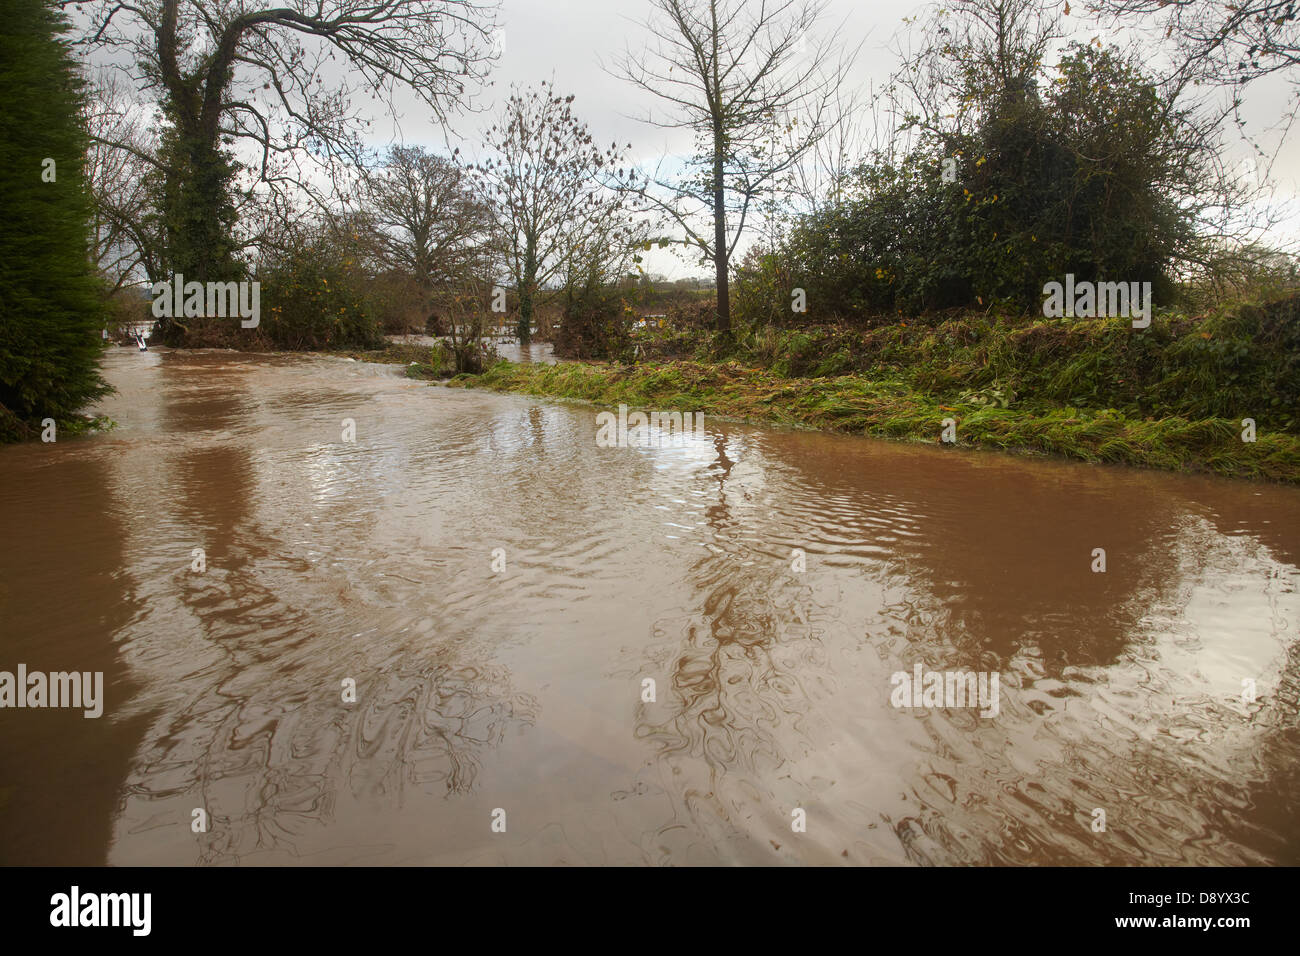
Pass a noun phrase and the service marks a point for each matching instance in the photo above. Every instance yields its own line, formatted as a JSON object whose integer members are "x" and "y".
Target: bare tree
{"x": 756, "y": 85}
{"x": 970, "y": 57}
{"x": 428, "y": 223}
{"x": 1229, "y": 42}
{"x": 1225, "y": 46}
{"x": 464, "y": 301}
{"x": 126, "y": 245}
{"x": 549, "y": 185}
{"x": 820, "y": 177}
{"x": 227, "y": 71}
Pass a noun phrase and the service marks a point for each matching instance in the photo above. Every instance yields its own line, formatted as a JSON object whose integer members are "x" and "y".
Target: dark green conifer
{"x": 51, "y": 302}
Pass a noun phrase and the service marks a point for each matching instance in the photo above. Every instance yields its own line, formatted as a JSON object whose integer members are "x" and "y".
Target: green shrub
{"x": 314, "y": 298}
{"x": 597, "y": 323}
{"x": 1088, "y": 177}
{"x": 1240, "y": 362}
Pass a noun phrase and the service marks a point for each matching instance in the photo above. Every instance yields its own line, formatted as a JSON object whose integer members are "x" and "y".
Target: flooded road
{"x": 501, "y": 592}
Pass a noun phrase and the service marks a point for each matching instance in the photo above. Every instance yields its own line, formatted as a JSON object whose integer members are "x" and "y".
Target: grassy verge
{"x": 889, "y": 404}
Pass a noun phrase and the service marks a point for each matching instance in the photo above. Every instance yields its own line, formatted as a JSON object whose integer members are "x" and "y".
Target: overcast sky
{"x": 576, "y": 43}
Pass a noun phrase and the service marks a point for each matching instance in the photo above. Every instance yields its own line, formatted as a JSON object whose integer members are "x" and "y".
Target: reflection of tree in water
{"x": 271, "y": 770}
{"x": 255, "y": 730}
{"x": 1184, "y": 777}
{"x": 738, "y": 700}
{"x": 995, "y": 553}
{"x": 60, "y": 773}
{"x": 732, "y": 670}
{"x": 268, "y": 746}
{"x": 1090, "y": 718}
{"x": 266, "y": 743}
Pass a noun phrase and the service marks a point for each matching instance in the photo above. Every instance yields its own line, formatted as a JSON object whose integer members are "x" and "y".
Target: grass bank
{"x": 1172, "y": 396}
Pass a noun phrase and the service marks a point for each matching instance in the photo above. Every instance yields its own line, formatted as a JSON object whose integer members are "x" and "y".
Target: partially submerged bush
{"x": 472, "y": 355}
{"x": 597, "y": 323}
{"x": 313, "y": 298}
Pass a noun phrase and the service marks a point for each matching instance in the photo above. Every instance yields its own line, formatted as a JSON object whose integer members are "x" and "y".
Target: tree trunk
{"x": 202, "y": 214}
{"x": 198, "y": 209}
{"x": 198, "y": 223}
{"x": 720, "y": 232}
{"x": 525, "y": 329}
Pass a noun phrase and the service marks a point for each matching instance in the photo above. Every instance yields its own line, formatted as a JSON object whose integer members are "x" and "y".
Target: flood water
{"x": 535, "y": 353}
{"x": 520, "y": 688}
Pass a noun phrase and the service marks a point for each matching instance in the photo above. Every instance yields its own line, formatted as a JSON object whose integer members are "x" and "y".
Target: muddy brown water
{"x": 521, "y": 689}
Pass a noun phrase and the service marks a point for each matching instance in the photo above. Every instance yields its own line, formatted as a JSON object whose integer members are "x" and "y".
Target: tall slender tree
{"x": 758, "y": 87}
{"x": 51, "y": 305}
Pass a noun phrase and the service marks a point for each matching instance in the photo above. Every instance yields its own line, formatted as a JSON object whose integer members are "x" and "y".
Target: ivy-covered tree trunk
{"x": 526, "y": 291}
{"x": 196, "y": 204}
{"x": 198, "y": 216}
{"x": 51, "y": 304}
